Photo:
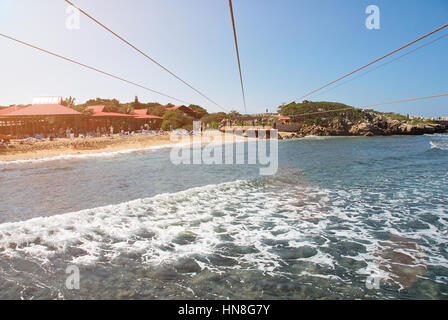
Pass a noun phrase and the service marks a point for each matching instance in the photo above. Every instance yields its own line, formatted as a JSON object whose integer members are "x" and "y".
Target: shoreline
{"x": 297, "y": 136}
{"x": 62, "y": 149}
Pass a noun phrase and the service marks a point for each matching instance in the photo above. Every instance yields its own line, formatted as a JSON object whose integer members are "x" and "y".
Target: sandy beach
{"x": 46, "y": 149}
{"x": 26, "y": 150}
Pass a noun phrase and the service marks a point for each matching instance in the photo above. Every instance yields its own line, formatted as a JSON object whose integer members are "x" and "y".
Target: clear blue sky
{"x": 287, "y": 47}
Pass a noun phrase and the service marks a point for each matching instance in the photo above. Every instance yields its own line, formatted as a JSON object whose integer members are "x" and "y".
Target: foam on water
{"x": 87, "y": 155}
{"x": 268, "y": 226}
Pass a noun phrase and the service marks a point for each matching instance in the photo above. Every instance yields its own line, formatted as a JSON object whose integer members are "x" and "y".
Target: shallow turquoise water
{"x": 343, "y": 218}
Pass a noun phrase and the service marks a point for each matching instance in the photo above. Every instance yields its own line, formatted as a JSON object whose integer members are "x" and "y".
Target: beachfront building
{"x": 143, "y": 119}
{"x": 184, "y": 109}
{"x": 101, "y": 121}
{"x": 39, "y": 119}
{"x": 284, "y": 120}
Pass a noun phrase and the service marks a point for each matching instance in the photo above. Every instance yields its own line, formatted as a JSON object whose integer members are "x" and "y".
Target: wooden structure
{"x": 42, "y": 119}
{"x": 101, "y": 119}
{"x": 142, "y": 117}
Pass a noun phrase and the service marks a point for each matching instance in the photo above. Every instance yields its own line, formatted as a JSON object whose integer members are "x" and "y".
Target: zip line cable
{"x": 237, "y": 53}
{"x": 91, "y": 68}
{"x": 405, "y": 100}
{"x": 321, "y": 112}
{"x": 145, "y": 55}
{"x": 372, "y": 105}
{"x": 374, "y": 61}
{"x": 382, "y": 65}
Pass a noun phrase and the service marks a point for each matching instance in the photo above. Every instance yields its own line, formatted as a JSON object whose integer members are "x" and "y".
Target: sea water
{"x": 343, "y": 218}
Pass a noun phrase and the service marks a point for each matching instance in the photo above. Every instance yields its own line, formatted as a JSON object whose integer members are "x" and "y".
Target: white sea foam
{"x": 88, "y": 155}
{"x": 247, "y": 223}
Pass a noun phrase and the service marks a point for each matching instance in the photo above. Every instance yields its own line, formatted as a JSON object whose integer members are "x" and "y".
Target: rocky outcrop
{"x": 372, "y": 125}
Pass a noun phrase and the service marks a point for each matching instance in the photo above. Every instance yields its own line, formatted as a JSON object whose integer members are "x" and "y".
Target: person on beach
{"x": 111, "y": 131}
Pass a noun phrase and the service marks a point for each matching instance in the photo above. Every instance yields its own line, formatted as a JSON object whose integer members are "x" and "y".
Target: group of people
{"x": 253, "y": 123}
{"x": 71, "y": 133}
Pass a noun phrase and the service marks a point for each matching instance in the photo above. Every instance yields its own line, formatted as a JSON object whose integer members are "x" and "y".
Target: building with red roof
{"x": 39, "y": 118}
{"x": 96, "y": 109}
{"x": 40, "y": 110}
{"x": 143, "y": 114}
{"x": 10, "y": 109}
{"x": 142, "y": 118}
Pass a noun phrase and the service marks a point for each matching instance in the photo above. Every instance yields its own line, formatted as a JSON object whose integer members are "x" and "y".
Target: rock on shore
{"x": 374, "y": 125}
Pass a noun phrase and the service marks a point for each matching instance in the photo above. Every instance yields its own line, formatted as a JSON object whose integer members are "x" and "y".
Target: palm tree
{"x": 70, "y": 102}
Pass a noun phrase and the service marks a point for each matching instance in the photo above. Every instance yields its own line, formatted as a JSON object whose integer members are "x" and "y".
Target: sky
{"x": 287, "y": 48}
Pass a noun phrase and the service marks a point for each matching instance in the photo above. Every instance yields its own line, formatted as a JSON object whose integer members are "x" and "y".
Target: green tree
{"x": 214, "y": 117}
{"x": 234, "y": 115}
{"x": 69, "y": 102}
{"x": 200, "y": 112}
{"x": 177, "y": 119}
{"x": 157, "y": 110}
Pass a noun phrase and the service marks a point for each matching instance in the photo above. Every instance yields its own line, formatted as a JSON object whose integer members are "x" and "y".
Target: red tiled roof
{"x": 111, "y": 114}
{"x": 10, "y": 109}
{"x": 96, "y": 109}
{"x": 99, "y": 113}
{"x": 284, "y": 118}
{"x": 44, "y": 110}
{"x": 141, "y": 112}
{"x": 147, "y": 116}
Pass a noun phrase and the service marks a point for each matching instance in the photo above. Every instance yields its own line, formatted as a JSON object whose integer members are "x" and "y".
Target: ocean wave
{"x": 248, "y": 225}
{"x": 87, "y": 155}
{"x": 164, "y": 228}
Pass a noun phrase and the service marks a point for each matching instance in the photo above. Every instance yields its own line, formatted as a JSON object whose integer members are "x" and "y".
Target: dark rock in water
{"x": 187, "y": 265}
{"x": 165, "y": 273}
{"x": 276, "y": 243}
{"x": 349, "y": 248}
{"x": 232, "y": 249}
{"x": 185, "y": 238}
{"x": 220, "y": 260}
{"x": 297, "y": 253}
{"x": 351, "y": 264}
